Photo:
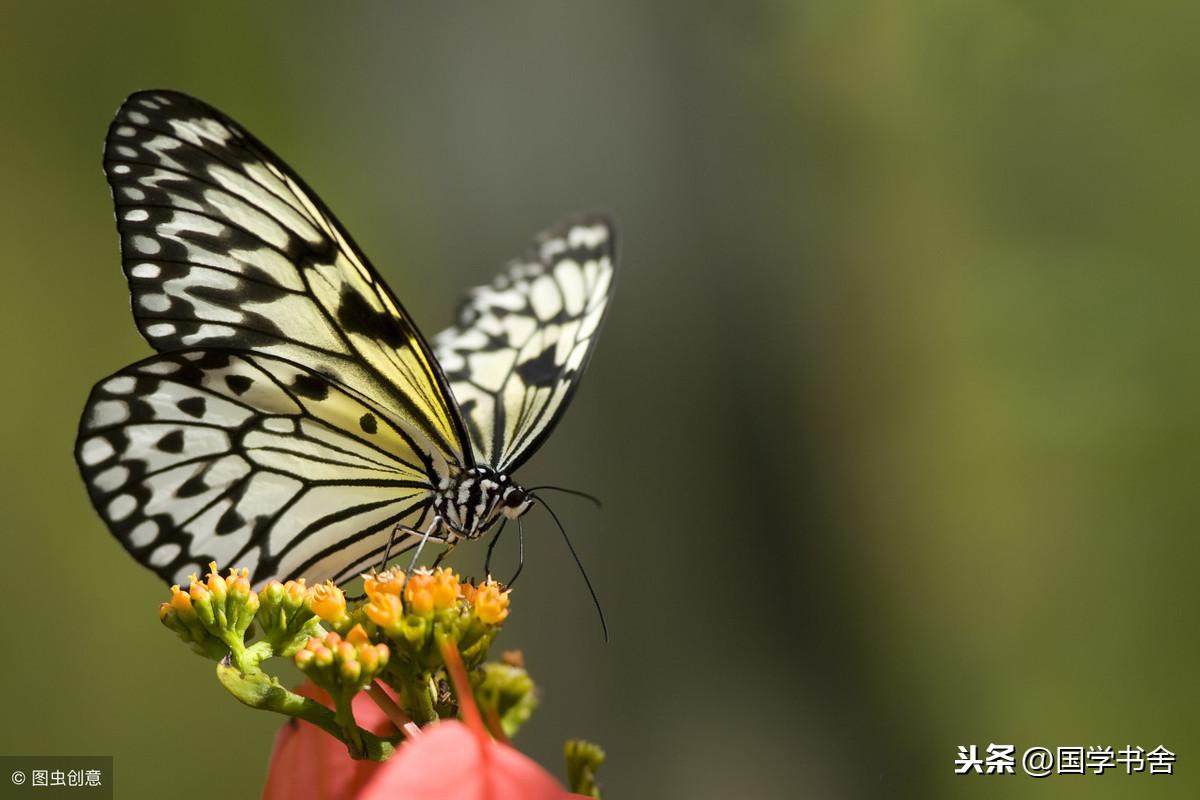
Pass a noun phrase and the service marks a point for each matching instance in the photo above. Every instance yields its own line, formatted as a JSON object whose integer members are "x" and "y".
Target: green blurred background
{"x": 896, "y": 414}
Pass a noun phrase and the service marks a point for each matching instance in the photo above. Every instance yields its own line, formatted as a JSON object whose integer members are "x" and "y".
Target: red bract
{"x": 446, "y": 762}
{"x": 449, "y": 762}
{"x": 308, "y": 763}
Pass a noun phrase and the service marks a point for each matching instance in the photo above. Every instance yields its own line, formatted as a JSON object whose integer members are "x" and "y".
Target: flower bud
{"x": 508, "y": 692}
{"x": 285, "y": 617}
{"x": 216, "y": 584}
{"x": 341, "y": 666}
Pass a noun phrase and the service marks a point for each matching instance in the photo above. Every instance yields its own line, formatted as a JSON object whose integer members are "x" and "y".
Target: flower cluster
{"x": 395, "y": 637}
{"x": 417, "y": 613}
{"x": 411, "y": 652}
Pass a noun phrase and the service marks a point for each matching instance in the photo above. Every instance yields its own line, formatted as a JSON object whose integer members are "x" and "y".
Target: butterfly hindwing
{"x": 521, "y": 343}
{"x": 225, "y": 247}
{"x": 248, "y": 459}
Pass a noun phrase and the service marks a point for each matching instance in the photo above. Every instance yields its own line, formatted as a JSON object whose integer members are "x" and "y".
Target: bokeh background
{"x": 896, "y": 414}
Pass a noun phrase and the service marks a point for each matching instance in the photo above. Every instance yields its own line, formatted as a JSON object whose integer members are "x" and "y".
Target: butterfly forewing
{"x": 521, "y": 343}
{"x": 224, "y": 246}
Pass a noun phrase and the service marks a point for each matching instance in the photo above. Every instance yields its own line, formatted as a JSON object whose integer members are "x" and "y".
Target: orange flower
{"x": 180, "y": 601}
{"x": 385, "y": 610}
{"x": 445, "y": 589}
{"x": 389, "y": 581}
{"x": 491, "y": 604}
{"x": 238, "y": 582}
{"x": 328, "y": 602}
{"x": 216, "y": 584}
{"x": 419, "y": 592}
{"x": 357, "y": 636}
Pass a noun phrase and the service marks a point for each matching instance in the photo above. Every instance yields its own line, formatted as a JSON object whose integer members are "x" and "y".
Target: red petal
{"x": 307, "y": 762}
{"x": 448, "y": 762}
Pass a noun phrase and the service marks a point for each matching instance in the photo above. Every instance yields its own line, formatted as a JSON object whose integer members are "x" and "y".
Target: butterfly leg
{"x": 520, "y": 553}
{"x": 387, "y": 551}
{"x": 487, "y": 561}
{"x": 433, "y": 526}
{"x": 450, "y": 545}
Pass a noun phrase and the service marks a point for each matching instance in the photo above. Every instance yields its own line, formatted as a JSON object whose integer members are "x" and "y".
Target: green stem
{"x": 418, "y": 701}
{"x": 258, "y": 690}
{"x": 344, "y": 715}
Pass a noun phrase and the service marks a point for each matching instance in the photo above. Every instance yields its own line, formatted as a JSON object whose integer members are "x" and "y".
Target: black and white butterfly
{"x": 295, "y": 421}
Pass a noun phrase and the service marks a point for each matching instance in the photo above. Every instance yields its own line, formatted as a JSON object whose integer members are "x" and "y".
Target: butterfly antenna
{"x": 578, "y": 563}
{"x": 595, "y": 500}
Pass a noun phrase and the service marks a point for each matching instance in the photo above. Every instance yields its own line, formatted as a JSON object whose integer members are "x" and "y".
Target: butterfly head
{"x": 515, "y": 501}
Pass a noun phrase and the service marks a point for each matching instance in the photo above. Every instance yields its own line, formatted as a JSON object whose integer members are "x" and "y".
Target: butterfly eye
{"x": 514, "y": 498}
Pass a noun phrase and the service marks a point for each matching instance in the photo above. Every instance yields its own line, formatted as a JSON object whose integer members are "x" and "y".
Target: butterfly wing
{"x": 225, "y": 247}
{"x": 521, "y": 343}
{"x": 250, "y": 460}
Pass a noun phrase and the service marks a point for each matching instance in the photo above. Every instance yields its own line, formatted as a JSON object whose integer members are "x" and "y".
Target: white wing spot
{"x": 137, "y": 215}
{"x": 121, "y": 507}
{"x": 550, "y": 250}
{"x": 138, "y": 117}
{"x": 160, "y": 367}
{"x": 144, "y": 244}
{"x": 588, "y": 237}
{"x": 156, "y": 302}
{"x": 544, "y": 298}
{"x": 145, "y": 271}
{"x": 120, "y": 169}
{"x": 125, "y": 130}
{"x": 164, "y": 555}
{"x": 108, "y": 412}
{"x": 96, "y": 450}
{"x": 122, "y": 384}
{"x": 134, "y": 193}
{"x": 128, "y": 152}
{"x": 146, "y": 104}
{"x": 144, "y": 533}
{"x": 111, "y": 479}
{"x": 160, "y": 329}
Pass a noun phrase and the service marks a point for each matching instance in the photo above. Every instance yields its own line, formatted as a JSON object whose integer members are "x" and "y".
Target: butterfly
{"x": 295, "y": 421}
